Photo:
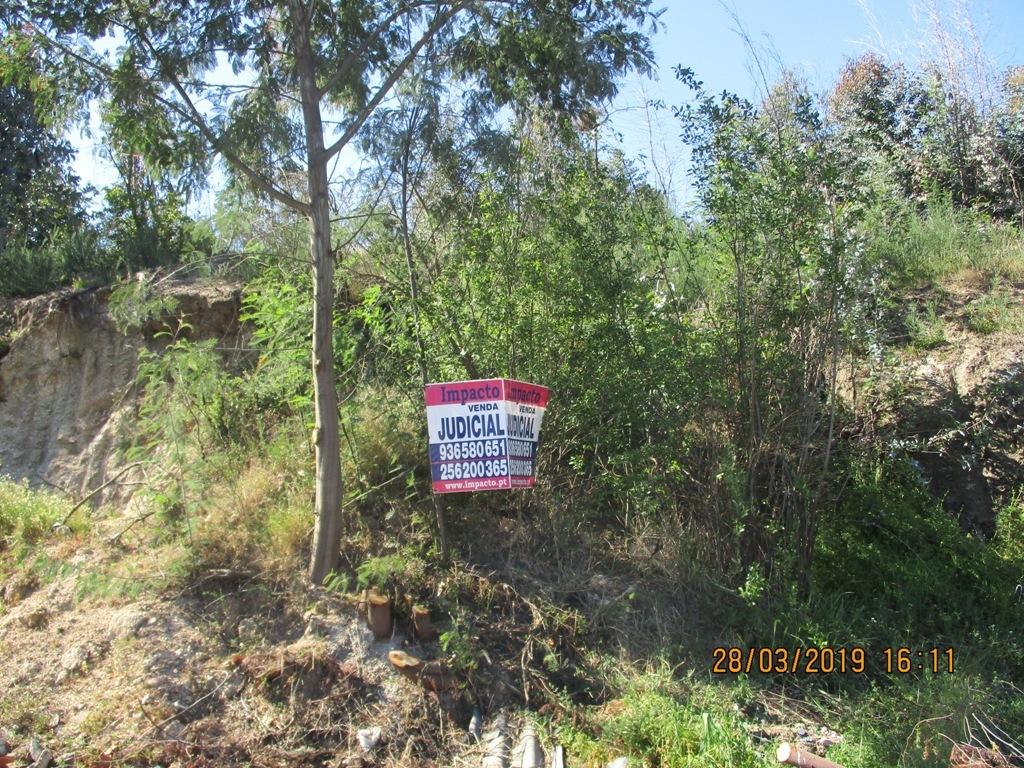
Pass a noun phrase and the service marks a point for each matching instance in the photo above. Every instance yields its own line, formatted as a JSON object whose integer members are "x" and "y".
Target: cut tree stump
{"x": 378, "y": 614}
{"x": 422, "y": 625}
{"x": 433, "y": 675}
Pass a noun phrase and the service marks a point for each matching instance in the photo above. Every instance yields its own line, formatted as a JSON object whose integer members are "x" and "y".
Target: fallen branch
{"x": 145, "y": 515}
{"x": 63, "y": 523}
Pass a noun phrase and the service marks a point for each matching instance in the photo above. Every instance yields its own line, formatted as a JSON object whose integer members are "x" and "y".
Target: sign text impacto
{"x": 483, "y": 434}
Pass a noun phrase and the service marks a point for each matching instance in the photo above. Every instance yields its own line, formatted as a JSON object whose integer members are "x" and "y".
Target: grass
{"x": 994, "y": 311}
{"x": 1009, "y": 538}
{"x": 919, "y": 249}
{"x": 22, "y": 712}
{"x": 27, "y": 516}
{"x": 660, "y": 720}
{"x": 263, "y": 513}
{"x": 926, "y": 329}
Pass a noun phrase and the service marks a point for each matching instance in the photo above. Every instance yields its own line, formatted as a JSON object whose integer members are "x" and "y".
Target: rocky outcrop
{"x": 67, "y": 380}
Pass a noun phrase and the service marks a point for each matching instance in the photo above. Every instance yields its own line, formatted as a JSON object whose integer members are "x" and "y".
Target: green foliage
{"x": 927, "y": 135}
{"x": 390, "y": 571}
{"x": 994, "y": 311}
{"x": 789, "y": 299}
{"x": 926, "y": 329}
{"x": 1009, "y": 538}
{"x": 145, "y": 225}
{"x": 565, "y": 55}
{"x": 913, "y": 721}
{"x": 461, "y": 645}
{"x": 69, "y": 256}
{"x": 133, "y": 305}
{"x": 553, "y": 276}
{"x": 26, "y": 515}
{"x": 38, "y": 192}
{"x": 916, "y": 249}
{"x": 277, "y": 306}
{"x": 659, "y": 721}
{"x": 893, "y": 568}
{"x": 45, "y": 240}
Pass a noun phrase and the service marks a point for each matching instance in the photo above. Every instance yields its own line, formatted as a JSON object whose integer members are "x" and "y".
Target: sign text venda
{"x": 483, "y": 434}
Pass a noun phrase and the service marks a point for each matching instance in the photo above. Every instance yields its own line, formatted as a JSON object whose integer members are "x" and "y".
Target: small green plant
{"x": 992, "y": 312}
{"x": 386, "y": 571}
{"x": 925, "y": 328}
{"x": 22, "y": 712}
{"x": 337, "y": 581}
{"x": 461, "y": 645}
{"x": 755, "y": 586}
{"x": 1009, "y": 538}
{"x": 28, "y": 515}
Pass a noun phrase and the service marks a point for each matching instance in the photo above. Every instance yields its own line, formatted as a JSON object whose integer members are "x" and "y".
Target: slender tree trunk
{"x": 327, "y": 537}
{"x": 327, "y": 534}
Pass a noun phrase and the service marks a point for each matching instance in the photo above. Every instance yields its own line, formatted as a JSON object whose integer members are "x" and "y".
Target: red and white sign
{"x": 483, "y": 434}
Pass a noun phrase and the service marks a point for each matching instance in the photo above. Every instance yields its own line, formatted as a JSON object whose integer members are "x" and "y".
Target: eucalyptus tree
{"x": 38, "y": 192}
{"x": 305, "y": 77}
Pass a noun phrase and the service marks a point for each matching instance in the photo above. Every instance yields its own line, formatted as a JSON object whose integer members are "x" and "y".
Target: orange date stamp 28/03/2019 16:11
{"x": 827, "y": 660}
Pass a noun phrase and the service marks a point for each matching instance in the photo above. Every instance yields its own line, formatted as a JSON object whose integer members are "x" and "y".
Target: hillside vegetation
{"x": 789, "y": 418}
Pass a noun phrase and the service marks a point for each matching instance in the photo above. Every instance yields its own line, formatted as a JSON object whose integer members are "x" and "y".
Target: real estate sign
{"x": 483, "y": 434}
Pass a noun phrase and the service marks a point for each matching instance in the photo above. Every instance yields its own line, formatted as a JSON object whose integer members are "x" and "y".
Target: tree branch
{"x": 439, "y": 21}
{"x": 193, "y": 115}
{"x": 353, "y": 56}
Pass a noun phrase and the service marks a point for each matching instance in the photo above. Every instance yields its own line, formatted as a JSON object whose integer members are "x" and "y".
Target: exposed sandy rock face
{"x": 958, "y": 410}
{"x": 67, "y": 383}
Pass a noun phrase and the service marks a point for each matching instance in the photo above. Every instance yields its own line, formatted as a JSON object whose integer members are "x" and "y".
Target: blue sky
{"x": 812, "y": 37}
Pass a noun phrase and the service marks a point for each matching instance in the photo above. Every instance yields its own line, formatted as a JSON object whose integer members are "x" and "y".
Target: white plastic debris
{"x": 619, "y": 762}
{"x": 368, "y": 738}
{"x": 476, "y": 723}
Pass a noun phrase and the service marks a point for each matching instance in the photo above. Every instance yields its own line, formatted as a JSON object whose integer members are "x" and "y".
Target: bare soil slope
{"x": 67, "y": 391}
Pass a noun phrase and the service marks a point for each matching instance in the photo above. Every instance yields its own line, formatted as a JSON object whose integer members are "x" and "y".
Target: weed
{"x": 1009, "y": 538}
{"x": 926, "y": 330}
{"x": 22, "y": 712}
{"x": 919, "y": 249}
{"x": 106, "y": 586}
{"x": 27, "y": 516}
{"x": 995, "y": 311}
{"x": 133, "y": 304}
{"x": 461, "y": 644}
{"x": 389, "y": 571}
{"x": 658, "y": 721}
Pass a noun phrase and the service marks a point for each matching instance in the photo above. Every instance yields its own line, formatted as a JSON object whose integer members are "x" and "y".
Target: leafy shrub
{"x": 390, "y": 571}
{"x": 992, "y": 312}
{"x": 926, "y": 329}
{"x": 133, "y": 304}
{"x": 27, "y": 515}
{"x": 66, "y": 257}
